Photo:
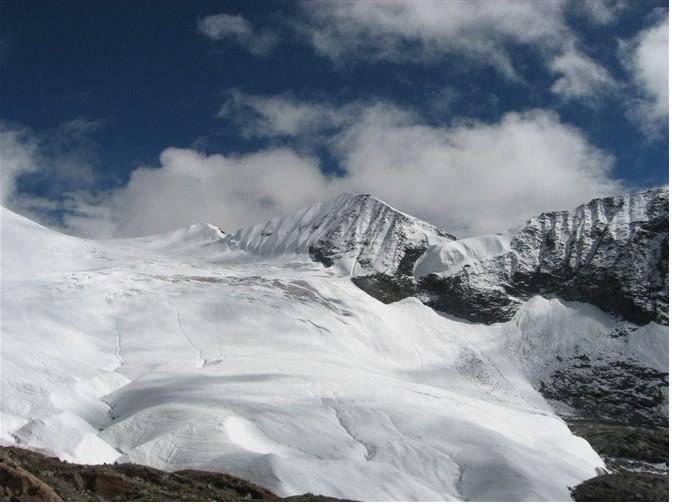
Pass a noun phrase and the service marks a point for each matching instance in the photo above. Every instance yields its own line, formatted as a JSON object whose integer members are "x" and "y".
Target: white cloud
{"x": 480, "y": 32}
{"x": 281, "y": 115}
{"x": 466, "y": 31}
{"x": 474, "y": 178}
{"x": 19, "y": 155}
{"x": 601, "y": 12}
{"x": 471, "y": 177}
{"x": 238, "y": 30}
{"x": 63, "y": 157}
{"x": 582, "y": 78}
{"x": 190, "y": 187}
{"x": 646, "y": 57}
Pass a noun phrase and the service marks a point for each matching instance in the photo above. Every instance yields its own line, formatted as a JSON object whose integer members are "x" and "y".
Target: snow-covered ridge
{"x": 170, "y": 351}
{"x": 611, "y": 252}
{"x": 195, "y": 235}
{"x": 594, "y": 233}
{"x": 447, "y": 259}
{"x": 358, "y": 233}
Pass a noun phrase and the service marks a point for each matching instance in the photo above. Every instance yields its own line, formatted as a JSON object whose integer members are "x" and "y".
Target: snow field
{"x": 171, "y": 352}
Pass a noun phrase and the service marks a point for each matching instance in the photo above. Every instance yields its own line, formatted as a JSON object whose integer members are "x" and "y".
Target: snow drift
{"x": 255, "y": 354}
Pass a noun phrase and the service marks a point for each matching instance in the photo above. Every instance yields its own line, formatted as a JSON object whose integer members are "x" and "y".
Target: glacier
{"x": 256, "y": 354}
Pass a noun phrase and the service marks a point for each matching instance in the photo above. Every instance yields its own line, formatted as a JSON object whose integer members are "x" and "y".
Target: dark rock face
{"x": 458, "y": 296}
{"x": 637, "y": 456}
{"x": 622, "y": 441}
{"x": 623, "y": 487}
{"x": 392, "y": 288}
{"x": 616, "y": 391}
{"x": 386, "y": 288}
{"x": 611, "y": 252}
{"x": 30, "y": 476}
{"x": 381, "y": 239}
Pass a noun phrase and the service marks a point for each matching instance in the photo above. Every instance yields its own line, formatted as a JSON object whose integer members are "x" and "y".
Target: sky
{"x": 134, "y": 118}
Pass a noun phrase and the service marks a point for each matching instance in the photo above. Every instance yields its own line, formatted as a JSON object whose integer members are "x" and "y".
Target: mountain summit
{"x": 611, "y": 252}
{"x": 268, "y": 355}
{"x": 356, "y": 233}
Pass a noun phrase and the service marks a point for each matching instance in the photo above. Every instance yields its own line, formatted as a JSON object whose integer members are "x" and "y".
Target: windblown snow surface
{"x": 182, "y": 351}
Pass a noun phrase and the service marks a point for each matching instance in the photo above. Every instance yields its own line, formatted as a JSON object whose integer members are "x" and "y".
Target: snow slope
{"x": 356, "y": 233}
{"x": 241, "y": 354}
{"x": 611, "y": 252}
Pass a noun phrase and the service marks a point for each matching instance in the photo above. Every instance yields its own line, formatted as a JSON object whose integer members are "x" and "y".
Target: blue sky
{"x": 128, "y": 118}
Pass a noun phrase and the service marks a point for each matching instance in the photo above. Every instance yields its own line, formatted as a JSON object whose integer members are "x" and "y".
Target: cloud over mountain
{"x": 646, "y": 57}
{"x": 472, "y": 177}
{"x": 239, "y": 30}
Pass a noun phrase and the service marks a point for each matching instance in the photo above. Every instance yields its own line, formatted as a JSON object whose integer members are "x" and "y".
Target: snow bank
{"x": 279, "y": 372}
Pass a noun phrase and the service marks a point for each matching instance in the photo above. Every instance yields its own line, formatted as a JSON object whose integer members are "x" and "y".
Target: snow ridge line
{"x": 118, "y": 336}
{"x": 200, "y": 353}
{"x": 370, "y": 451}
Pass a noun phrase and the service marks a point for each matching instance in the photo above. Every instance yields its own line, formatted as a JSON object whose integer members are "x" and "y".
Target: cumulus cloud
{"x": 601, "y": 12}
{"x": 190, "y": 187}
{"x": 471, "y": 178}
{"x": 58, "y": 161}
{"x": 476, "y": 177}
{"x": 238, "y": 30}
{"x": 280, "y": 115}
{"x": 581, "y": 78}
{"x": 646, "y": 57}
{"x": 480, "y": 32}
{"x": 19, "y": 152}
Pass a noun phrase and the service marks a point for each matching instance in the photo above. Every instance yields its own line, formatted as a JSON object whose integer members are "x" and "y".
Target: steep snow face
{"x": 612, "y": 252}
{"x": 448, "y": 259}
{"x": 356, "y": 233}
{"x": 195, "y": 236}
{"x": 282, "y": 372}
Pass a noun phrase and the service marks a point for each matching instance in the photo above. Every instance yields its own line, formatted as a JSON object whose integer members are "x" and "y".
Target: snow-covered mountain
{"x": 356, "y": 233}
{"x": 264, "y": 353}
{"x": 611, "y": 252}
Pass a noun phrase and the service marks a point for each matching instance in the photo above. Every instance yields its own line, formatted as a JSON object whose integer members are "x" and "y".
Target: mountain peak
{"x": 611, "y": 252}
{"x": 357, "y": 232}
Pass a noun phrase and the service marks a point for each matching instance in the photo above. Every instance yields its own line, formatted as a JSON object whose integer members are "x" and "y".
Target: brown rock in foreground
{"x": 30, "y": 476}
{"x": 630, "y": 452}
{"x": 623, "y": 487}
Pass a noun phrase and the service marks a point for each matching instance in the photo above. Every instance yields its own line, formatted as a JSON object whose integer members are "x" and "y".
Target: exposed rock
{"x": 17, "y": 484}
{"x": 633, "y": 442}
{"x": 362, "y": 234}
{"x": 616, "y": 391}
{"x": 623, "y": 487}
{"x": 386, "y": 288}
{"x": 30, "y": 476}
{"x": 611, "y": 252}
{"x": 633, "y": 454}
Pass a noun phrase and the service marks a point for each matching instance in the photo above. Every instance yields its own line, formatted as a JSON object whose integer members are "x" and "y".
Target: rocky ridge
{"x": 611, "y": 252}
{"x": 356, "y": 233}
{"x": 30, "y": 476}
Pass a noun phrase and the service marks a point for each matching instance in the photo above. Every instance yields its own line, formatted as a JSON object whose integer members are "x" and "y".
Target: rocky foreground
{"x": 636, "y": 455}
{"x": 29, "y": 476}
